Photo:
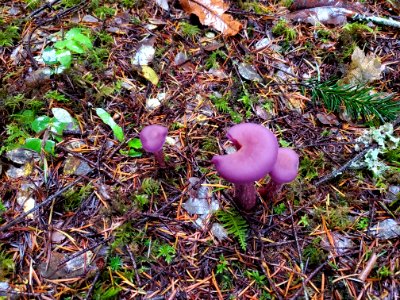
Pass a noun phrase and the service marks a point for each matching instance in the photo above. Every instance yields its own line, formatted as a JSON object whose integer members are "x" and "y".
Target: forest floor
{"x": 86, "y": 213}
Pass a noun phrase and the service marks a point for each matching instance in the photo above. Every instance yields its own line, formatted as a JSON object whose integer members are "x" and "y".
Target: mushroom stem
{"x": 270, "y": 191}
{"x": 245, "y": 195}
{"x": 159, "y": 156}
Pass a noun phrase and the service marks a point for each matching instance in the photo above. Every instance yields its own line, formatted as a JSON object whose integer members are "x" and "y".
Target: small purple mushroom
{"x": 284, "y": 171}
{"x": 257, "y": 150}
{"x": 153, "y": 138}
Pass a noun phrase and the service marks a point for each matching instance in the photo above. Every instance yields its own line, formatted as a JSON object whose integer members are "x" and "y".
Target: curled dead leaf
{"x": 212, "y": 13}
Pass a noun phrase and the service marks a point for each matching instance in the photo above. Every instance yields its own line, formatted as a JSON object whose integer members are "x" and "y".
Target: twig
{"x": 344, "y": 167}
{"x": 44, "y": 203}
{"x": 295, "y": 296}
{"x": 377, "y": 20}
{"x": 298, "y": 250}
{"x": 90, "y": 291}
{"x": 368, "y": 268}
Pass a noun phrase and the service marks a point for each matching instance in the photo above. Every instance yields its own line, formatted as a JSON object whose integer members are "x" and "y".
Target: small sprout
{"x": 153, "y": 139}
{"x": 257, "y": 150}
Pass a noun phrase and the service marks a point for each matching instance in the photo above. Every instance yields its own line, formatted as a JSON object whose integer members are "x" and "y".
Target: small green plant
{"x": 103, "y": 12}
{"x": 107, "y": 119}
{"x": 234, "y": 224}
{"x": 151, "y": 186}
{"x": 222, "y": 266}
{"x": 69, "y": 3}
{"x": 55, "y": 126}
{"x": 141, "y": 200}
{"x": 189, "y": 30}
{"x": 362, "y": 223}
{"x": 209, "y": 144}
{"x": 222, "y": 272}
{"x": 384, "y": 272}
{"x": 106, "y": 293}
{"x": 313, "y": 252}
{"x": 56, "y": 96}
{"x": 336, "y": 217}
{"x": 212, "y": 60}
{"x": 282, "y": 28}
{"x": 279, "y": 209}
{"x": 167, "y": 252}
{"x": 304, "y": 221}
{"x": 32, "y": 4}
{"x": 356, "y": 30}
{"x": 257, "y": 277}
{"x": 74, "y": 196}
{"x": 134, "y": 148}
{"x": 60, "y": 55}
{"x": 222, "y": 104}
{"x": 115, "y": 263}
{"x": 309, "y": 167}
{"x": 8, "y": 35}
{"x": 2, "y": 207}
{"x": 7, "y": 265}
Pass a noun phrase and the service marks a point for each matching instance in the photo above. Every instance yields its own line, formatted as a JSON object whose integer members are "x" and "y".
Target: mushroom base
{"x": 270, "y": 191}
{"x": 159, "y": 156}
{"x": 245, "y": 196}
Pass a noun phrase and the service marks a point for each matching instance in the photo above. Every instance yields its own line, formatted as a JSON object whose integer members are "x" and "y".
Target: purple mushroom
{"x": 257, "y": 150}
{"x": 153, "y": 138}
{"x": 284, "y": 171}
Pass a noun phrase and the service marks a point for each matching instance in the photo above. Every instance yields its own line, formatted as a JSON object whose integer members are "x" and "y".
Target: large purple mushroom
{"x": 153, "y": 139}
{"x": 284, "y": 171}
{"x": 257, "y": 150}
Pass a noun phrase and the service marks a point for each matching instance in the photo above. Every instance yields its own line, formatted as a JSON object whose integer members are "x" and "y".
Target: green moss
{"x": 282, "y": 28}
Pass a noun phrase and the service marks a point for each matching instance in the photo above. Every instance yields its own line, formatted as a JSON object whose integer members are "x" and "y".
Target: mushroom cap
{"x": 153, "y": 137}
{"x": 257, "y": 152}
{"x": 286, "y": 166}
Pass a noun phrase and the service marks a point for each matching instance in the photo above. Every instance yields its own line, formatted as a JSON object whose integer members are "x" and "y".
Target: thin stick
{"x": 344, "y": 167}
{"x": 44, "y": 203}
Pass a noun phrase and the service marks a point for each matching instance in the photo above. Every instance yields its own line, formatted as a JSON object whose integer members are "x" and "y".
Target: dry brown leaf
{"x": 363, "y": 68}
{"x": 212, "y": 13}
{"x": 306, "y": 4}
{"x": 324, "y": 15}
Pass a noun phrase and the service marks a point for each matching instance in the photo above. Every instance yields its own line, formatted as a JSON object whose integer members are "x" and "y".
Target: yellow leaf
{"x": 212, "y": 13}
{"x": 150, "y": 74}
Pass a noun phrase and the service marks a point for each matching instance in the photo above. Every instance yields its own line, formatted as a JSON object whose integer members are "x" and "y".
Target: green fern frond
{"x": 234, "y": 224}
{"x": 358, "y": 101}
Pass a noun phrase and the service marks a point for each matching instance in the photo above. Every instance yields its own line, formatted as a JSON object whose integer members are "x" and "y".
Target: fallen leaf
{"x": 150, "y": 74}
{"x": 322, "y": 15}
{"x": 249, "y": 72}
{"x": 363, "y": 68}
{"x": 212, "y": 13}
{"x": 163, "y": 4}
{"x": 305, "y": 4}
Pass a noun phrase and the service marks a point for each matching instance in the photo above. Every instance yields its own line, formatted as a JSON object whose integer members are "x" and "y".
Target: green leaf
{"x": 62, "y": 115}
{"x": 58, "y": 127}
{"x": 150, "y": 74}
{"x": 64, "y": 57}
{"x": 41, "y": 123}
{"x": 49, "y": 56}
{"x": 76, "y": 35}
{"x": 60, "y": 44}
{"x": 234, "y": 224}
{"x": 35, "y": 144}
{"x": 74, "y": 47}
{"x": 107, "y": 119}
{"x": 135, "y": 143}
